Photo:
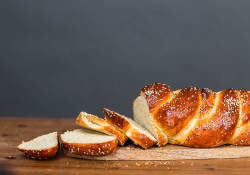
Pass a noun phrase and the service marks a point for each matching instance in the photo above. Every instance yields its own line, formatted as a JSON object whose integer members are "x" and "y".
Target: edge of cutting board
{"x": 169, "y": 152}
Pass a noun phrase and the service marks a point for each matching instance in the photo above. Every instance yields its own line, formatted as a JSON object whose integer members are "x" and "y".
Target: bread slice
{"x": 133, "y": 130}
{"x": 42, "y": 147}
{"x": 90, "y": 121}
{"x": 88, "y": 142}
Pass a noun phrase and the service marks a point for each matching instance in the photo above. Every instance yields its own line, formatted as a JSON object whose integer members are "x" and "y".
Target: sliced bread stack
{"x": 117, "y": 125}
{"x": 98, "y": 137}
{"x": 92, "y": 122}
{"x": 138, "y": 134}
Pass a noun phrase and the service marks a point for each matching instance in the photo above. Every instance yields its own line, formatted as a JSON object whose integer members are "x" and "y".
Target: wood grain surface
{"x": 169, "y": 152}
{"x": 12, "y": 161}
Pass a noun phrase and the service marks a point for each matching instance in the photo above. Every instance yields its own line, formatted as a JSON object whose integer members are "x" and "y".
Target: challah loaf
{"x": 194, "y": 117}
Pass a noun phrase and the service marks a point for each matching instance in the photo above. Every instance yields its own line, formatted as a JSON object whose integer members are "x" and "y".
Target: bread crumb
{"x": 138, "y": 164}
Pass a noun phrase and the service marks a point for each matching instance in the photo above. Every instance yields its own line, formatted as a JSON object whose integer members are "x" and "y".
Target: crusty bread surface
{"x": 195, "y": 117}
{"x": 138, "y": 134}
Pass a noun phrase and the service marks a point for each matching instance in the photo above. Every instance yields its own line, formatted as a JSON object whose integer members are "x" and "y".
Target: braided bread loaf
{"x": 194, "y": 117}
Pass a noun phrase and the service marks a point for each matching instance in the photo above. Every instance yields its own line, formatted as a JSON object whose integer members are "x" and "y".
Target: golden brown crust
{"x": 108, "y": 129}
{"x": 245, "y": 106}
{"x": 175, "y": 115}
{"x": 156, "y": 94}
{"x": 91, "y": 148}
{"x": 140, "y": 139}
{"x": 116, "y": 120}
{"x": 242, "y": 138}
{"x": 220, "y": 127}
{"x": 209, "y": 119}
{"x": 242, "y": 133}
{"x": 40, "y": 154}
{"x": 121, "y": 123}
{"x": 122, "y": 138}
{"x": 208, "y": 101}
{"x": 161, "y": 137}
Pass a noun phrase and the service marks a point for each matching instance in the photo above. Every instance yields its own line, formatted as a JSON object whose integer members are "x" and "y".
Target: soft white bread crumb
{"x": 41, "y": 142}
{"x": 40, "y": 148}
{"x": 144, "y": 118}
{"x": 142, "y": 115}
{"x": 86, "y": 136}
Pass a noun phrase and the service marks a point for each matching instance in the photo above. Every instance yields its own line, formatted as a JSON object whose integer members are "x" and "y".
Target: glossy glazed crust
{"x": 203, "y": 118}
{"x": 173, "y": 116}
{"x": 245, "y": 106}
{"x": 139, "y": 138}
{"x": 156, "y": 94}
{"x": 220, "y": 126}
{"x": 116, "y": 120}
{"x": 122, "y": 138}
{"x": 207, "y": 102}
{"x": 162, "y": 139}
{"x": 91, "y": 148}
{"x": 40, "y": 154}
{"x": 104, "y": 128}
{"x": 242, "y": 138}
{"x": 121, "y": 123}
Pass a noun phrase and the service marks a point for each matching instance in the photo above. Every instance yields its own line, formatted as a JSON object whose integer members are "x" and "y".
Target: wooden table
{"x": 14, "y": 130}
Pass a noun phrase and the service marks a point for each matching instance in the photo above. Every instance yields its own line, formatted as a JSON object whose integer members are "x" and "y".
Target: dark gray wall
{"x": 58, "y": 58}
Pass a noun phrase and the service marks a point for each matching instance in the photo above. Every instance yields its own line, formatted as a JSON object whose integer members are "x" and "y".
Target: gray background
{"x": 58, "y": 58}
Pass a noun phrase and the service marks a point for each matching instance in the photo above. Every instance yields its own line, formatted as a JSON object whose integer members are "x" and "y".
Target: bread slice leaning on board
{"x": 88, "y": 142}
{"x": 194, "y": 117}
{"x": 92, "y": 122}
{"x": 138, "y": 134}
{"x": 42, "y": 147}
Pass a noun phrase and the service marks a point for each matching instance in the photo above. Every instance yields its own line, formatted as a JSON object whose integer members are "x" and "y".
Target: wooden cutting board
{"x": 13, "y": 130}
{"x": 169, "y": 152}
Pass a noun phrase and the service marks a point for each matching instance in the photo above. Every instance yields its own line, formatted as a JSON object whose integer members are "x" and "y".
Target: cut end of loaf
{"x": 143, "y": 117}
{"x": 42, "y": 147}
